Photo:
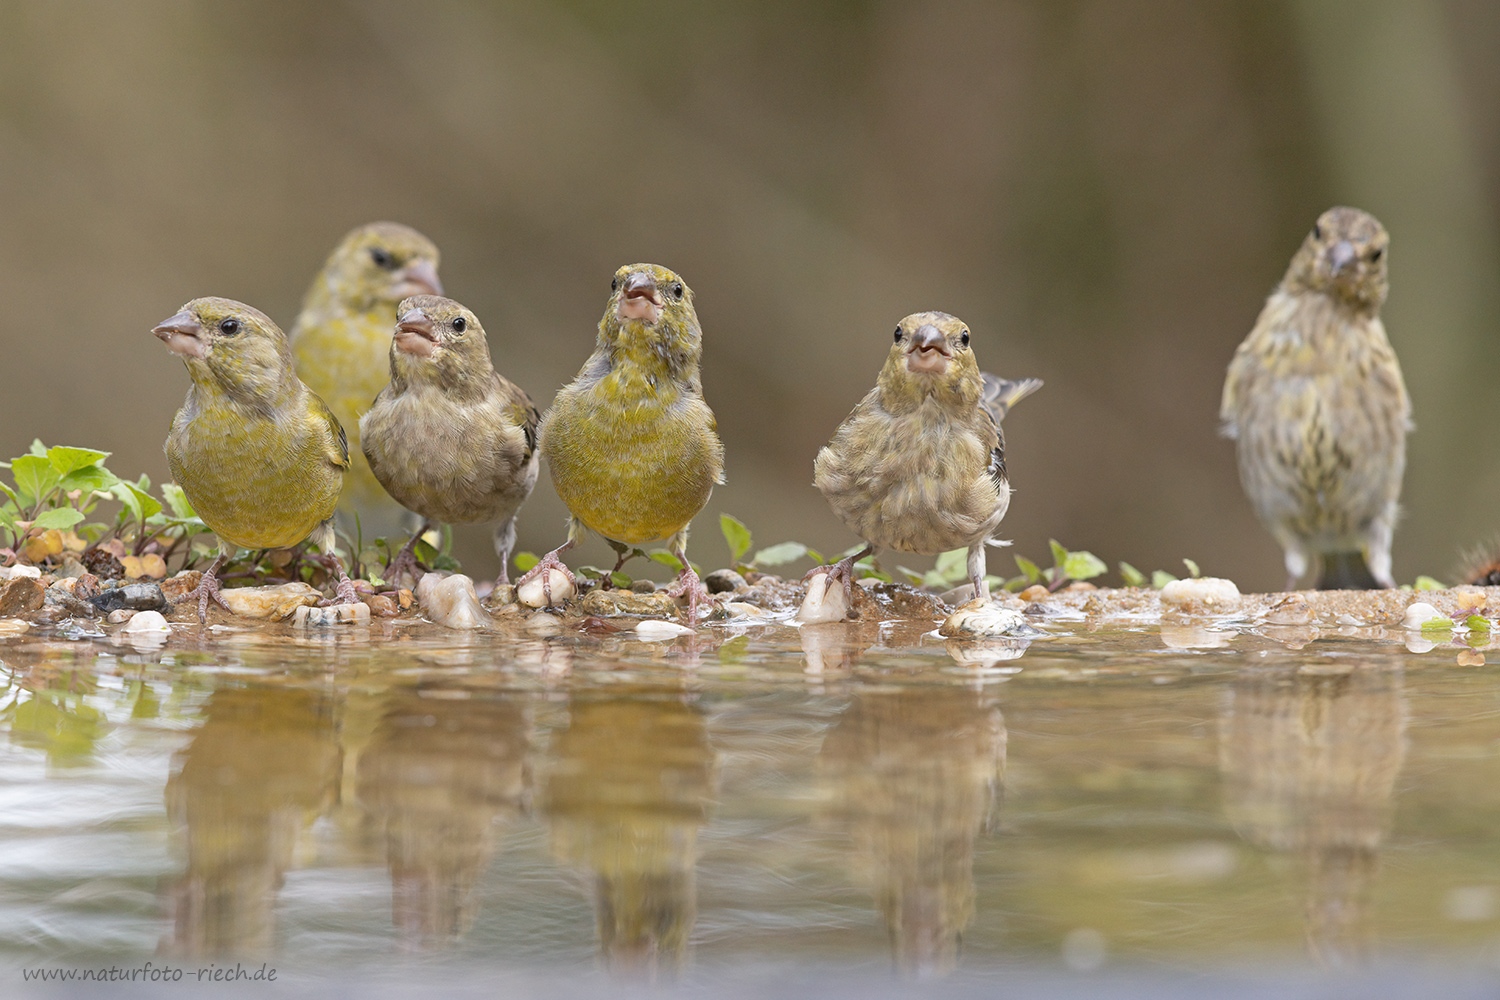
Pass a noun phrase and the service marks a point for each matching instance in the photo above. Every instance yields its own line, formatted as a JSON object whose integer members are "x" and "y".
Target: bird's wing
{"x": 337, "y": 440}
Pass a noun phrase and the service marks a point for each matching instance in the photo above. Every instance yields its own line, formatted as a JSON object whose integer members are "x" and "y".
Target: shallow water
{"x": 839, "y": 797}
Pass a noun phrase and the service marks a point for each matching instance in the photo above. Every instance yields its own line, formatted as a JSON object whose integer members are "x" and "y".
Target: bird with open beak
{"x": 342, "y": 341}
{"x": 1316, "y": 405}
{"x": 919, "y": 465}
{"x": 631, "y": 445}
{"x": 450, "y": 438}
{"x": 259, "y": 455}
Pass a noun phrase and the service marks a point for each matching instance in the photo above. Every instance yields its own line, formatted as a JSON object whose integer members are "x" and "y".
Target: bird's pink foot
{"x": 548, "y": 561}
{"x": 405, "y": 563}
{"x": 688, "y": 585}
{"x": 209, "y": 589}
{"x": 344, "y": 589}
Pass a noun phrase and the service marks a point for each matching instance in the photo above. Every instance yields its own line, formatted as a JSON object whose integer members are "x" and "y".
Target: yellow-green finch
{"x": 1315, "y": 403}
{"x": 631, "y": 445}
{"x": 342, "y": 341}
{"x": 258, "y": 454}
{"x": 449, "y": 437}
{"x": 919, "y": 465}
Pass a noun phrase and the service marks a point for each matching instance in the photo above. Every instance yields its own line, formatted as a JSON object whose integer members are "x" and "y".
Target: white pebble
{"x": 823, "y": 603}
{"x": 1209, "y": 591}
{"x": 146, "y": 622}
{"x": 13, "y": 572}
{"x": 980, "y": 618}
{"x": 1419, "y": 613}
{"x": 451, "y": 601}
{"x": 655, "y": 628}
{"x": 333, "y": 614}
{"x": 533, "y": 595}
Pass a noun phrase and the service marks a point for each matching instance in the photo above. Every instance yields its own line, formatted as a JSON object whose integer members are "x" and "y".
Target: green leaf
{"x": 38, "y": 449}
{"x": 1428, "y": 583}
{"x": 1437, "y": 624}
{"x": 736, "y": 535}
{"x": 57, "y": 517}
{"x": 1031, "y": 570}
{"x": 1059, "y": 554}
{"x": 665, "y": 558}
{"x": 621, "y": 579}
{"x": 590, "y": 572}
{"x": 1132, "y": 576}
{"x": 1083, "y": 566}
{"x": 65, "y": 460}
{"x": 35, "y": 478}
{"x": 88, "y": 479}
{"x": 1477, "y": 623}
{"x": 817, "y": 557}
{"x": 1160, "y": 578}
{"x": 141, "y": 505}
{"x": 1192, "y": 568}
{"x": 953, "y": 565}
{"x": 524, "y": 560}
{"x": 178, "y": 501}
{"x": 779, "y": 555}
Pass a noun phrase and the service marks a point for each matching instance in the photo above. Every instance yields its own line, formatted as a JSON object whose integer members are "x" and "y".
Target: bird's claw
{"x": 549, "y": 561}
{"x": 688, "y": 585}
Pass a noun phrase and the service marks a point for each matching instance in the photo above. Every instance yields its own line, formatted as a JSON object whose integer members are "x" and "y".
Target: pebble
{"x": 1209, "y": 593}
{"x": 608, "y": 603}
{"x": 136, "y": 596}
{"x": 1292, "y": 610}
{"x": 532, "y": 594}
{"x": 59, "y": 597}
{"x": 12, "y": 626}
{"x": 119, "y": 615}
{"x": 145, "y": 622}
{"x": 177, "y": 587}
{"x": 21, "y": 595}
{"x": 501, "y": 595}
{"x": 451, "y": 601}
{"x": 983, "y": 619}
{"x": 822, "y": 603}
{"x": 642, "y": 587}
{"x": 655, "y": 628}
{"x": 724, "y": 581}
{"x": 274, "y": 603}
{"x": 17, "y": 572}
{"x": 1419, "y": 613}
{"x": 307, "y": 616}
{"x": 381, "y": 606}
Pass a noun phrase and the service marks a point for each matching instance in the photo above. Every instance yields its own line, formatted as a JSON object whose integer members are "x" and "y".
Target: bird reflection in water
{"x": 1310, "y": 761}
{"x": 629, "y": 787}
{"x": 263, "y": 765}
{"x": 441, "y": 776}
{"x": 914, "y": 776}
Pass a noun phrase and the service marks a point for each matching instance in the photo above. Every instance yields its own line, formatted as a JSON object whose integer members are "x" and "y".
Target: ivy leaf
{"x": 1160, "y": 578}
{"x": 141, "y": 505}
{"x": 1132, "y": 576}
{"x": 35, "y": 478}
{"x": 779, "y": 555}
{"x": 1031, "y": 570}
{"x": 1428, "y": 583}
{"x": 621, "y": 579}
{"x": 1059, "y": 554}
{"x": 524, "y": 560}
{"x": 57, "y": 517}
{"x": 736, "y": 535}
{"x": 1192, "y": 568}
{"x": 953, "y": 565}
{"x": 89, "y": 478}
{"x": 181, "y": 508}
{"x": 1083, "y": 566}
{"x": 65, "y": 460}
{"x": 665, "y": 558}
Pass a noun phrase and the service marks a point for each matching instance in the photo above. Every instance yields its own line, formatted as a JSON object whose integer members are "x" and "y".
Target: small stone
{"x": 610, "y": 603}
{"x": 85, "y": 586}
{"x": 273, "y": 603}
{"x": 21, "y": 595}
{"x": 177, "y": 587}
{"x": 984, "y": 619}
{"x": 59, "y": 597}
{"x": 1035, "y": 592}
{"x": 19, "y": 572}
{"x": 102, "y": 563}
{"x": 1209, "y": 593}
{"x": 308, "y": 616}
{"x": 13, "y": 626}
{"x": 1291, "y": 610}
{"x": 71, "y": 569}
{"x": 739, "y": 609}
{"x": 724, "y": 581}
{"x": 451, "y": 601}
{"x": 136, "y": 596}
{"x": 502, "y": 595}
{"x": 533, "y": 595}
{"x": 381, "y": 606}
{"x": 65, "y": 584}
{"x": 146, "y": 622}
{"x": 120, "y": 615}
{"x": 1080, "y": 585}
{"x": 642, "y": 587}
{"x": 656, "y": 629}
{"x": 1419, "y": 613}
{"x": 405, "y": 599}
{"x": 823, "y": 603}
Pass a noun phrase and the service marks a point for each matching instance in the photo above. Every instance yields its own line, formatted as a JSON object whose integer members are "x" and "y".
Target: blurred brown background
{"x": 1104, "y": 190}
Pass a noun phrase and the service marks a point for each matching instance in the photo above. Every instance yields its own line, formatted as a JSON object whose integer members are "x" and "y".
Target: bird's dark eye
{"x": 677, "y": 290}
{"x": 965, "y": 338}
{"x": 898, "y": 335}
{"x": 229, "y": 327}
{"x": 614, "y": 286}
{"x": 382, "y": 258}
{"x": 1376, "y": 254}
{"x": 460, "y": 325}
{"x": 1317, "y": 232}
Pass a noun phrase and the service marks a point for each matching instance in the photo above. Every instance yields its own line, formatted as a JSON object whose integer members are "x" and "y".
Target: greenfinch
{"x": 260, "y": 456}
{"x": 631, "y": 445}
{"x": 1315, "y": 403}
{"x": 919, "y": 465}
{"x": 449, "y": 437}
{"x": 342, "y": 341}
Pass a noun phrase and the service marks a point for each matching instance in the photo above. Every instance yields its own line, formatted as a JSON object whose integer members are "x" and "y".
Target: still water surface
{"x": 839, "y": 796}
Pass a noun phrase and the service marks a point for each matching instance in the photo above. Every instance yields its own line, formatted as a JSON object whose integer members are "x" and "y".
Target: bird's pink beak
{"x": 639, "y": 299}
{"x": 415, "y": 334}
{"x": 183, "y": 335}
{"x": 420, "y": 277}
{"x": 928, "y": 351}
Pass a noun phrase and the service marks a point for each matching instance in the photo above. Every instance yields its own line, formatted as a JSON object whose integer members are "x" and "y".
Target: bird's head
{"x": 378, "y": 265}
{"x": 438, "y": 340}
{"x": 930, "y": 357}
{"x": 651, "y": 307}
{"x": 1344, "y": 256}
{"x": 229, "y": 346}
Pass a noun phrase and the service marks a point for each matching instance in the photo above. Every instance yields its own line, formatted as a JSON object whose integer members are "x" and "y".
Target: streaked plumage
{"x": 919, "y": 465}
{"x": 449, "y": 437}
{"x": 258, "y": 454}
{"x": 1315, "y": 402}
{"x": 342, "y": 339}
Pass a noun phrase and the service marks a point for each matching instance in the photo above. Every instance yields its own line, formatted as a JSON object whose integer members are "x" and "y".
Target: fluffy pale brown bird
{"x": 1315, "y": 403}
{"x": 342, "y": 341}
{"x": 449, "y": 437}
{"x": 919, "y": 465}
